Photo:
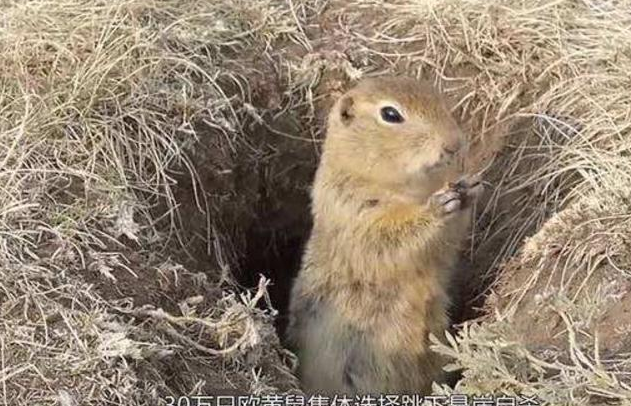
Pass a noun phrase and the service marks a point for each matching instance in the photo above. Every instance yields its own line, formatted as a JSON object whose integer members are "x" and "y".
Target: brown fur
{"x": 388, "y": 225}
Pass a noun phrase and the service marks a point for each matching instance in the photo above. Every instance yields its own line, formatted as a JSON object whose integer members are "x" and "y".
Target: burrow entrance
{"x": 262, "y": 219}
{"x": 267, "y": 225}
{"x": 258, "y": 199}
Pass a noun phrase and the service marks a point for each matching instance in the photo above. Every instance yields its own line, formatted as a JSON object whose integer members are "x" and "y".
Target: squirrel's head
{"x": 397, "y": 132}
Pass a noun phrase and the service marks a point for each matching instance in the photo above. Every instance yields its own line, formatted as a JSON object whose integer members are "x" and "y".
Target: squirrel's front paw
{"x": 457, "y": 196}
{"x": 470, "y": 188}
{"x": 446, "y": 201}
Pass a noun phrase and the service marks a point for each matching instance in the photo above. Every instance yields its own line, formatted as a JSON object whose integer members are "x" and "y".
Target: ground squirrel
{"x": 391, "y": 208}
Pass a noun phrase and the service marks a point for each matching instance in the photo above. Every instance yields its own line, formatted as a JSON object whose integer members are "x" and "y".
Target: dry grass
{"x": 100, "y": 102}
{"x": 109, "y": 110}
{"x": 558, "y": 326}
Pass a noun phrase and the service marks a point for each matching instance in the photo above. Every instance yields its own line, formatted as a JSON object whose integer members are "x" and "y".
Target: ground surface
{"x": 156, "y": 161}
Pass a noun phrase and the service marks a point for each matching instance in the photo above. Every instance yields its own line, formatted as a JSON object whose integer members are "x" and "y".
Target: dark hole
{"x": 275, "y": 238}
{"x": 275, "y": 254}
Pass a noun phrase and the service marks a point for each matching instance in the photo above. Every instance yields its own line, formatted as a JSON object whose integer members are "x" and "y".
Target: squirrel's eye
{"x": 391, "y": 115}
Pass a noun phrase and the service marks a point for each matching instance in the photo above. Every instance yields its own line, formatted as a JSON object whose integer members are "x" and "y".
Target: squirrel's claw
{"x": 446, "y": 201}
{"x": 458, "y": 195}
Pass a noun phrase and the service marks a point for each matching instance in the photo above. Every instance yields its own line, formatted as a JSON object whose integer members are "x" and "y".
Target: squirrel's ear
{"x": 346, "y": 109}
